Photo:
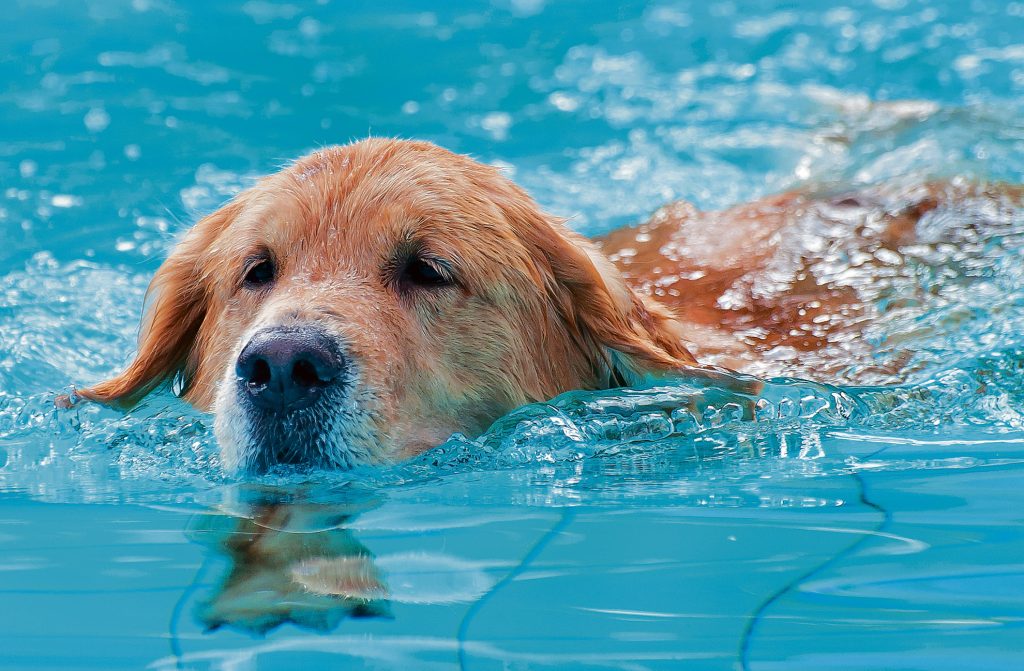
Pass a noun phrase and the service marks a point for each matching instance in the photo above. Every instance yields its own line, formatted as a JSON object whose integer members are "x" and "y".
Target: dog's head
{"x": 370, "y": 300}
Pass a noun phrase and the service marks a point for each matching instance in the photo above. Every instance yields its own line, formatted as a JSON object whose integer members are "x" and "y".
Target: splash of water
{"x": 963, "y": 336}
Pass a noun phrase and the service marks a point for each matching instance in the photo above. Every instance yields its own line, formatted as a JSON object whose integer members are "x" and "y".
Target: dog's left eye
{"x": 260, "y": 273}
{"x": 423, "y": 272}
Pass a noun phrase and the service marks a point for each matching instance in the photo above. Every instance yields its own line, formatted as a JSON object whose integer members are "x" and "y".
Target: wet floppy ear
{"x": 633, "y": 337}
{"x": 625, "y": 337}
{"x": 177, "y": 304}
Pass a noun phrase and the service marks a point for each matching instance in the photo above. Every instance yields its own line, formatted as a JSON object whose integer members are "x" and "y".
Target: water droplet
{"x": 64, "y": 200}
{"x": 96, "y": 119}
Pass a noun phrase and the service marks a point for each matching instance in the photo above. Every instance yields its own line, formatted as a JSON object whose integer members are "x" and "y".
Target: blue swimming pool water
{"x": 847, "y": 528}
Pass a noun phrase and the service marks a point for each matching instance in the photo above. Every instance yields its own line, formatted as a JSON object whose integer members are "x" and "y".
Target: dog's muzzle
{"x": 293, "y": 397}
{"x": 285, "y": 369}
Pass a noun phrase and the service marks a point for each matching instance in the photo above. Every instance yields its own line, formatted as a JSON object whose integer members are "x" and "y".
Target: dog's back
{"x": 793, "y": 276}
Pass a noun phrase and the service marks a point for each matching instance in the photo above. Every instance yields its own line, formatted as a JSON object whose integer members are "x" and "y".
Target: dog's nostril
{"x": 304, "y": 374}
{"x": 260, "y": 375}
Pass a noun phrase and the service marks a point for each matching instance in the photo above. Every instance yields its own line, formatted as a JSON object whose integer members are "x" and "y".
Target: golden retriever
{"x": 370, "y": 300}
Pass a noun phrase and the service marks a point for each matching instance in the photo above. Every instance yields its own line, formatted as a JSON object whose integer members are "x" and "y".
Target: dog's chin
{"x": 331, "y": 434}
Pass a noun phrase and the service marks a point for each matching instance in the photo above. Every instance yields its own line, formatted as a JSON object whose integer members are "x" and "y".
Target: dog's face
{"x": 370, "y": 300}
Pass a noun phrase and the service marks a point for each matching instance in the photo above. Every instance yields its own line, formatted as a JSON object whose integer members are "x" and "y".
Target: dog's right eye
{"x": 261, "y": 272}
{"x": 423, "y": 273}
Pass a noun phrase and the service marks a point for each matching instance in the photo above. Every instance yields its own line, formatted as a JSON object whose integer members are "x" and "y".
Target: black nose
{"x": 286, "y": 369}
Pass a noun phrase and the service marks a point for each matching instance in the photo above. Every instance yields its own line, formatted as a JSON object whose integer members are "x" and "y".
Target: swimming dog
{"x": 370, "y": 300}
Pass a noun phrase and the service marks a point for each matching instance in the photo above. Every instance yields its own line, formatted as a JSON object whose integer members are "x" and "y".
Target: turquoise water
{"x": 846, "y": 528}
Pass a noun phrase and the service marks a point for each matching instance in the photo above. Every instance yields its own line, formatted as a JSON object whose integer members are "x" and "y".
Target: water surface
{"x": 846, "y": 528}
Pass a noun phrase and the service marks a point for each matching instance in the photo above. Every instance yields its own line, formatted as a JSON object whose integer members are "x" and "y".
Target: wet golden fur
{"x": 535, "y": 311}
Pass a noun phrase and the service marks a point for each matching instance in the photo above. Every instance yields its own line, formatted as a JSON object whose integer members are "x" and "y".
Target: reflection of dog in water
{"x": 289, "y": 563}
{"x": 293, "y": 560}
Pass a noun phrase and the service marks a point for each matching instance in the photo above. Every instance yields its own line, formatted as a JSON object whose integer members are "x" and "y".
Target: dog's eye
{"x": 426, "y": 273}
{"x": 261, "y": 272}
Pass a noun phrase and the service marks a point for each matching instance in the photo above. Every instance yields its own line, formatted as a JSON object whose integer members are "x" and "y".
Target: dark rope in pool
{"x": 568, "y": 514}
{"x": 746, "y": 640}
{"x": 179, "y": 606}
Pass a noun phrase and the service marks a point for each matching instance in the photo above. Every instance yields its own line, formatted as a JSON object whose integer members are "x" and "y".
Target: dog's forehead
{"x": 369, "y": 197}
{"x": 344, "y": 209}
{"x": 352, "y": 189}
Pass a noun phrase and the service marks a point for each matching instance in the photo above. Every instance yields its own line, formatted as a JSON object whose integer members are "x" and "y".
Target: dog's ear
{"x": 631, "y": 337}
{"x": 626, "y": 338}
{"x": 176, "y": 300}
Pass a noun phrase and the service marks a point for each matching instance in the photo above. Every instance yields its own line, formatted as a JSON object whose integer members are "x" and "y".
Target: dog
{"x": 370, "y": 300}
